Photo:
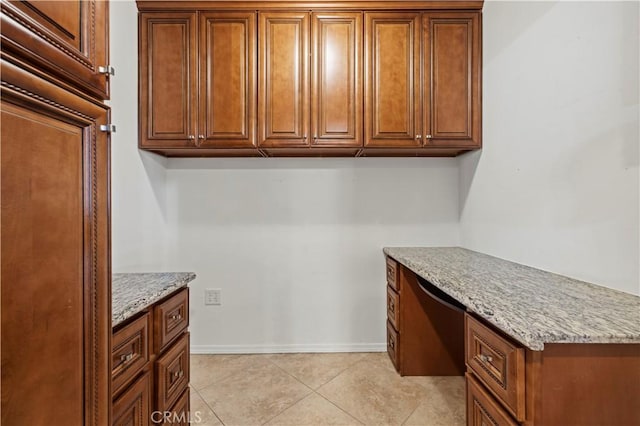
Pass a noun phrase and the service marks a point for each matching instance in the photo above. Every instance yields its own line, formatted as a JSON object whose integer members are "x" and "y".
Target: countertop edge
{"x": 151, "y": 295}
{"x": 535, "y": 343}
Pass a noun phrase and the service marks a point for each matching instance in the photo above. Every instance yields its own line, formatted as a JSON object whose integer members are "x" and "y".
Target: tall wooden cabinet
{"x": 68, "y": 39}
{"x": 310, "y": 78}
{"x": 55, "y": 229}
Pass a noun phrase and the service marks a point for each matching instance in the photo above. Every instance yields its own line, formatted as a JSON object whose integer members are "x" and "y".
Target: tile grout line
{"x": 314, "y": 391}
{"x": 294, "y": 378}
{"x": 207, "y": 404}
{"x": 339, "y": 408}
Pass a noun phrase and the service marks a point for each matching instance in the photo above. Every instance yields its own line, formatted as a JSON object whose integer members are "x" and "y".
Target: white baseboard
{"x": 278, "y": 349}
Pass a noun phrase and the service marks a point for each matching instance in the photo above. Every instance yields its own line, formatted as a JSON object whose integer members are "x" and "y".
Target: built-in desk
{"x": 536, "y": 348}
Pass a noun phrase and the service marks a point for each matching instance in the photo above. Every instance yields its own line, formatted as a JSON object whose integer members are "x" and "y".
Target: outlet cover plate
{"x": 212, "y": 296}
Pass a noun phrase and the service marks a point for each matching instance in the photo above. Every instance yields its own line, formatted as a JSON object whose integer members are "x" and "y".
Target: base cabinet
{"x": 507, "y": 384}
{"x": 150, "y": 373}
{"x": 132, "y": 407}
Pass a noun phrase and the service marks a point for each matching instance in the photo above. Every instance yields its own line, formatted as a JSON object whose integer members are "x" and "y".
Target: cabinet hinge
{"x": 108, "y": 128}
{"x": 108, "y": 70}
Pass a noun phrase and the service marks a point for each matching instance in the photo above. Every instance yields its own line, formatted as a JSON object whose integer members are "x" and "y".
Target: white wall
{"x": 296, "y": 244}
{"x": 556, "y": 186}
{"x": 138, "y": 179}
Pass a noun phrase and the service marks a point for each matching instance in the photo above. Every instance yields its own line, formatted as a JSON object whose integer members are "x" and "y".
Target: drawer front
{"x": 171, "y": 318}
{"x": 393, "y": 308}
{"x": 482, "y": 409}
{"x": 179, "y": 414}
{"x": 130, "y": 351}
{"x": 132, "y": 407}
{"x": 498, "y": 364}
{"x": 172, "y": 374}
{"x": 392, "y": 345}
{"x": 392, "y": 273}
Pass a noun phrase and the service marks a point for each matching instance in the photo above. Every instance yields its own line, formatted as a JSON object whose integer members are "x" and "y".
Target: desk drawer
{"x": 392, "y": 344}
{"x": 482, "y": 409}
{"x": 393, "y": 308}
{"x": 172, "y": 373}
{"x": 171, "y": 318}
{"x": 498, "y": 364}
{"x": 130, "y": 351}
{"x": 392, "y": 273}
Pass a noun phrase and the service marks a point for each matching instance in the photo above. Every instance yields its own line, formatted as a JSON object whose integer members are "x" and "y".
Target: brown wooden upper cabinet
{"x": 177, "y": 109}
{"x": 168, "y": 91}
{"x": 422, "y": 78}
{"x": 70, "y": 42}
{"x": 310, "y": 75}
{"x": 266, "y": 79}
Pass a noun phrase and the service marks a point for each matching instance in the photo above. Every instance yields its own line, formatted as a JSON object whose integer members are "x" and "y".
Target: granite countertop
{"x": 131, "y": 293}
{"x": 532, "y": 306}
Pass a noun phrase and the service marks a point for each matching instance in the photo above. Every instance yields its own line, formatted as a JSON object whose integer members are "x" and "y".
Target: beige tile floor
{"x": 319, "y": 389}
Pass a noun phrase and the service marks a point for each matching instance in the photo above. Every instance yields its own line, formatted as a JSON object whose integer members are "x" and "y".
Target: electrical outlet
{"x": 212, "y": 296}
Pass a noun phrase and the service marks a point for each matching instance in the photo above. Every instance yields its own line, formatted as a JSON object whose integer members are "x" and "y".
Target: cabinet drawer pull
{"x": 177, "y": 374}
{"x": 126, "y": 358}
{"x": 392, "y": 307}
{"x": 191, "y": 137}
{"x": 485, "y": 358}
{"x": 175, "y": 317}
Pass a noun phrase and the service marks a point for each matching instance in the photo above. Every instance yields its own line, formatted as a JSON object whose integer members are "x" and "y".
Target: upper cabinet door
{"x": 392, "y": 75}
{"x": 168, "y": 84}
{"x": 69, "y": 39}
{"x": 336, "y": 79}
{"x": 284, "y": 79}
{"x": 452, "y": 79}
{"x": 227, "y": 80}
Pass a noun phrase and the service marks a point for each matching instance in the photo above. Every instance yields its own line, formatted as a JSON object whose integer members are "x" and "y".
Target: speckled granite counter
{"x": 532, "y": 306}
{"x": 132, "y": 293}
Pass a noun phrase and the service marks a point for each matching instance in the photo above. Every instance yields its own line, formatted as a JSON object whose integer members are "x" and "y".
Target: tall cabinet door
{"x": 392, "y": 79}
{"x": 55, "y": 274}
{"x": 284, "y": 79}
{"x": 168, "y": 84}
{"x": 336, "y": 79}
{"x": 68, "y": 38}
{"x": 227, "y": 80}
{"x": 452, "y": 79}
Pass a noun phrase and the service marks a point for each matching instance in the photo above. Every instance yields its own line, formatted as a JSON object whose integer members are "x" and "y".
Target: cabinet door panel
{"x": 336, "y": 76}
{"x": 392, "y": 74}
{"x": 227, "y": 79}
{"x": 55, "y": 291}
{"x": 452, "y": 85}
{"x": 168, "y": 89}
{"x": 284, "y": 78}
{"x": 67, "y": 38}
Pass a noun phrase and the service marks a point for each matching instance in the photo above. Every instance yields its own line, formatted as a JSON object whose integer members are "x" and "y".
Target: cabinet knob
{"x": 175, "y": 317}
{"x": 200, "y": 136}
{"x": 428, "y": 136}
{"x": 178, "y": 374}
{"x": 485, "y": 358}
{"x": 418, "y": 136}
{"x": 191, "y": 137}
{"x": 126, "y": 358}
